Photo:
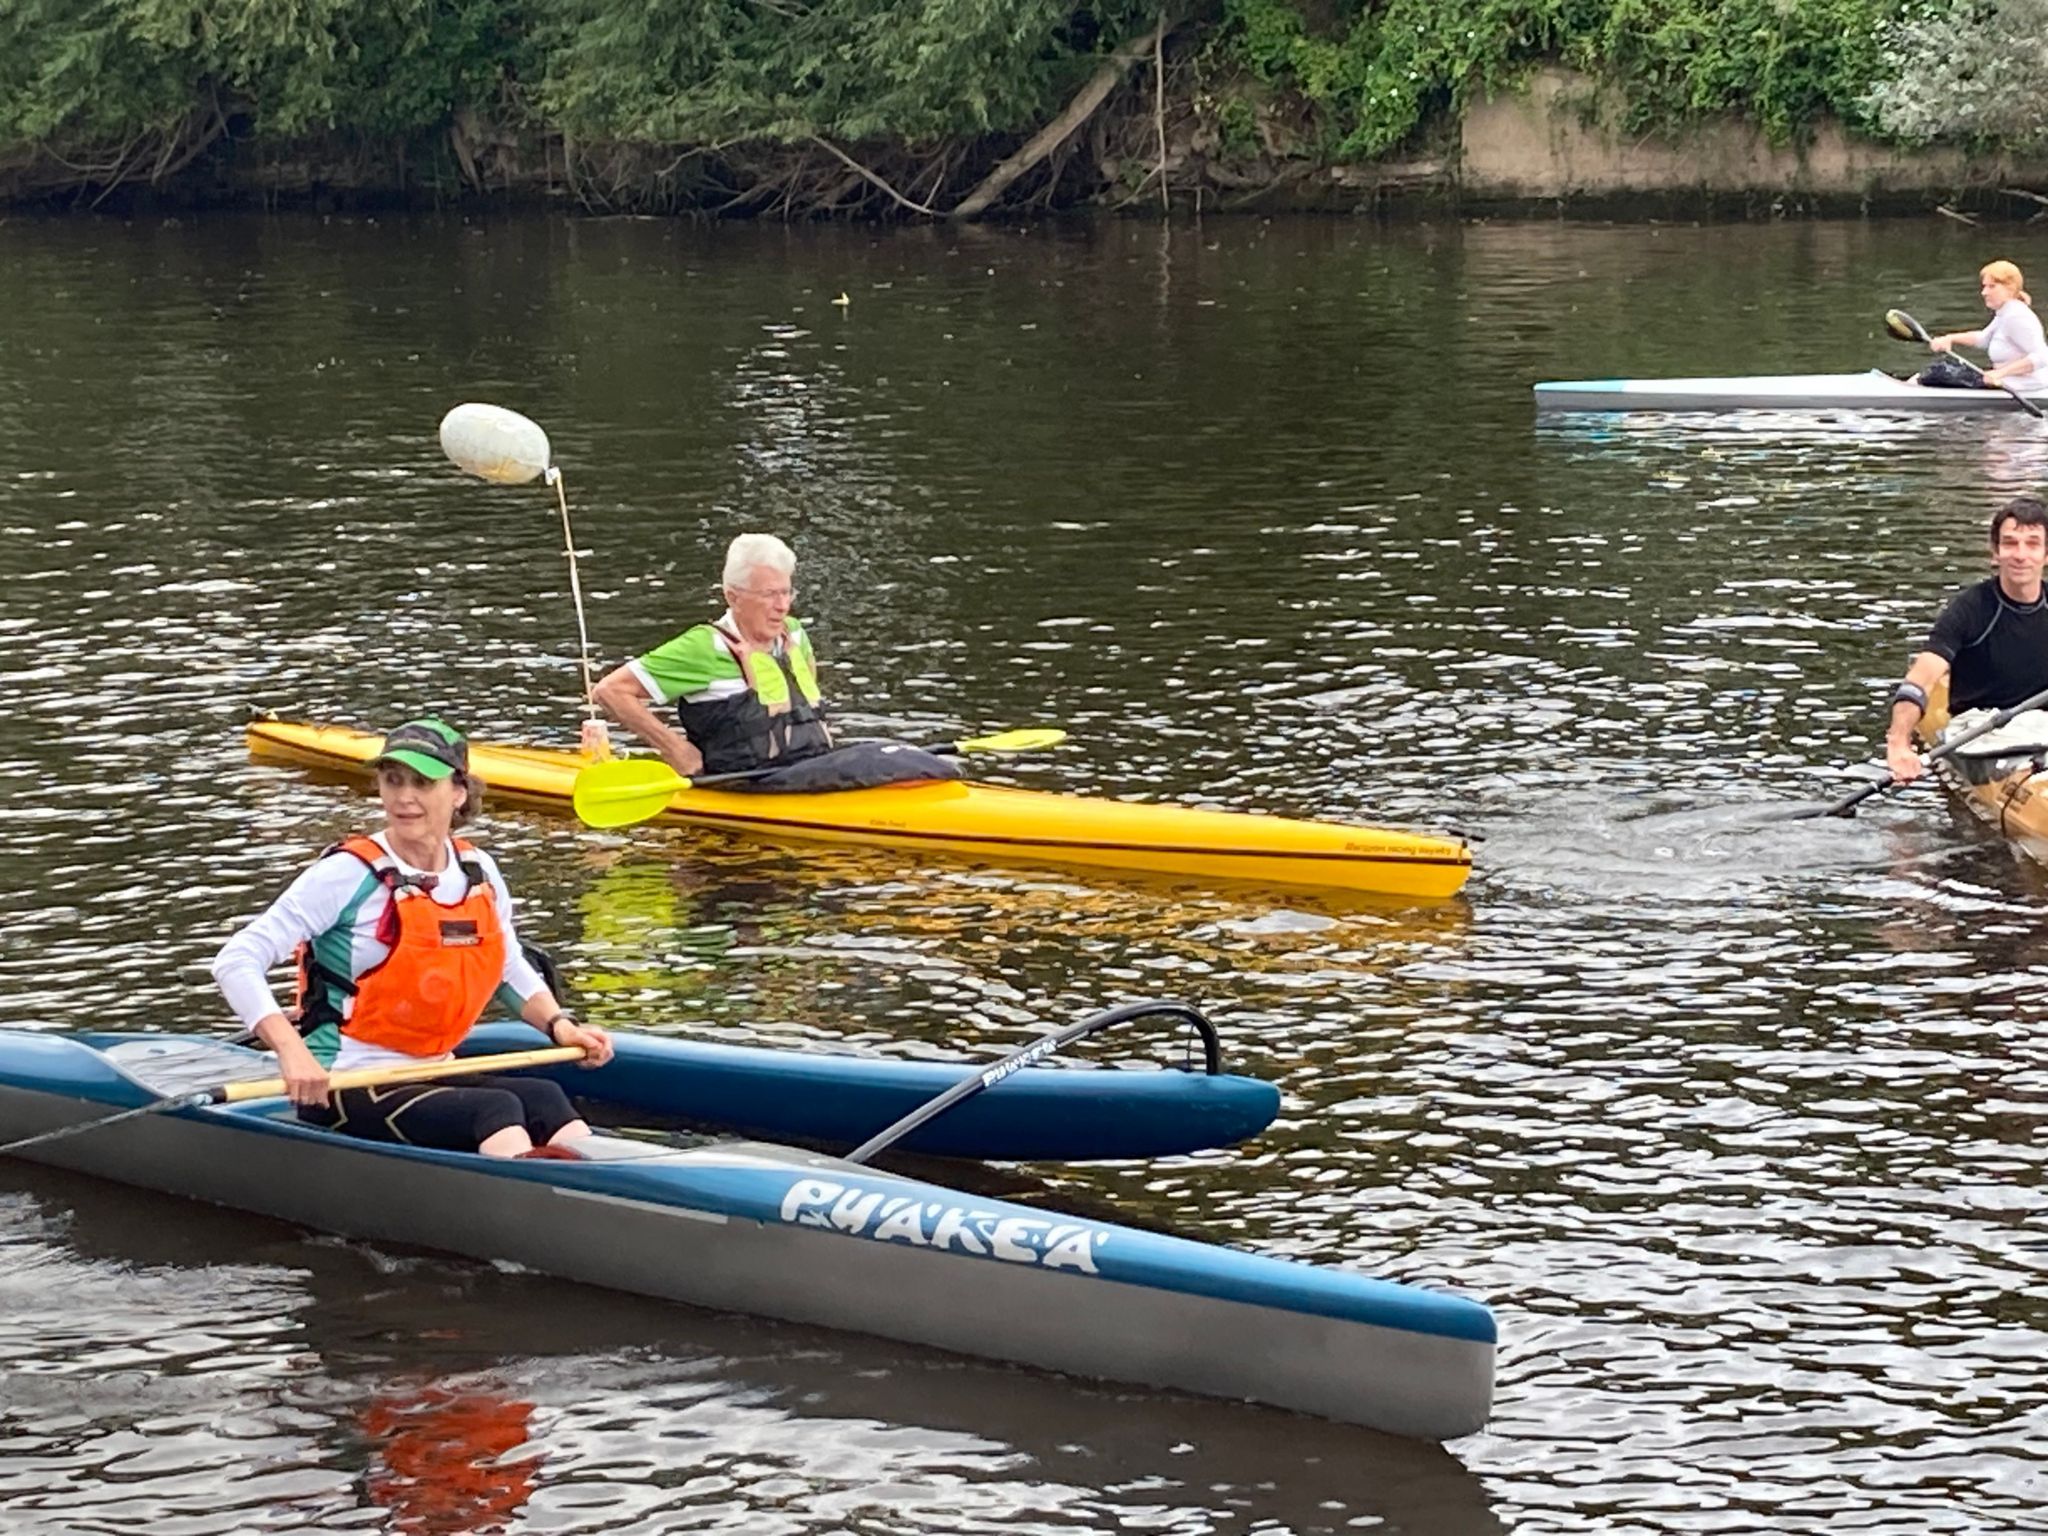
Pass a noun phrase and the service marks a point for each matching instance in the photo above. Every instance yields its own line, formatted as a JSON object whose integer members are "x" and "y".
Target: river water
{"x": 1736, "y": 1123}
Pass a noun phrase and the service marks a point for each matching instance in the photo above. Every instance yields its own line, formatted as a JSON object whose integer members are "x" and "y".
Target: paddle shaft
{"x": 1919, "y": 333}
{"x": 713, "y": 780}
{"x": 1847, "y": 805}
{"x": 1023, "y": 1057}
{"x": 410, "y": 1072}
{"x": 1030, "y": 739}
{"x": 271, "y": 1087}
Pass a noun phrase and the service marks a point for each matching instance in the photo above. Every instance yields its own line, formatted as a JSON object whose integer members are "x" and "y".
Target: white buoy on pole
{"x": 507, "y": 448}
{"x": 495, "y": 444}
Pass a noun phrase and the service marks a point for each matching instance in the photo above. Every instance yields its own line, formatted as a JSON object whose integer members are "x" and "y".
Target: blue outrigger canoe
{"x": 750, "y": 1226}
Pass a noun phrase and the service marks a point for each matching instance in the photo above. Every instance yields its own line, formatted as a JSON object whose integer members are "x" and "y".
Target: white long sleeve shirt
{"x": 2014, "y": 332}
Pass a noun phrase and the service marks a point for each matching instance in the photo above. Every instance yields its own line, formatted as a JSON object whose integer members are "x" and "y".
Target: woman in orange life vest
{"x": 403, "y": 939}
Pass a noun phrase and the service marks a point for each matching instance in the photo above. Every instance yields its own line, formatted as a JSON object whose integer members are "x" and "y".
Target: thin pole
{"x": 576, "y": 592}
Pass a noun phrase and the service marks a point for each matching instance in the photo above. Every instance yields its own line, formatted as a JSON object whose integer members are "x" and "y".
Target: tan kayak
{"x": 982, "y": 822}
{"x": 2002, "y": 777}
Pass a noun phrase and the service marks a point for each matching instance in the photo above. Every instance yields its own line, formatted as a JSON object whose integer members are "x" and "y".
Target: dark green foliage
{"x": 118, "y": 89}
{"x": 1378, "y": 69}
{"x": 722, "y": 71}
{"x": 97, "y": 75}
{"x": 1237, "y": 126}
{"x": 1781, "y": 64}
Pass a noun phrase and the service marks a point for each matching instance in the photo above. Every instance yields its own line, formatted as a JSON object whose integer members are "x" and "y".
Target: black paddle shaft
{"x": 1038, "y": 1050}
{"x": 1847, "y": 805}
{"x": 1906, "y": 328}
{"x": 156, "y": 1107}
{"x": 742, "y": 775}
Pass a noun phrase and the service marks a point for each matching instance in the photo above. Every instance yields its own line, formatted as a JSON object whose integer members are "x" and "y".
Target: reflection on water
{"x": 813, "y": 949}
{"x": 1733, "y": 1119}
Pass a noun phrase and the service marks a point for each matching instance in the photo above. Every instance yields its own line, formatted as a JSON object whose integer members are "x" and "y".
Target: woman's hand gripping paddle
{"x": 1905, "y": 328}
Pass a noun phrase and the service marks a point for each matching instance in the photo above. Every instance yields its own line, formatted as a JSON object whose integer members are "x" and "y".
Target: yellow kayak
{"x": 982, "y": 822}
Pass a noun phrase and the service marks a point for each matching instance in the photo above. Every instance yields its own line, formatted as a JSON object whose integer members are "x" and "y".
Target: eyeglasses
{"x": 772, "y": 594}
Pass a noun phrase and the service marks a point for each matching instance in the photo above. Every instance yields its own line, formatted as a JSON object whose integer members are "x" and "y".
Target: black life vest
{"x": 740, "y": 733}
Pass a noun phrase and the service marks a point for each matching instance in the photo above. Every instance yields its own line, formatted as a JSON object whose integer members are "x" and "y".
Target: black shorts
{"x": 456, "y": 1114}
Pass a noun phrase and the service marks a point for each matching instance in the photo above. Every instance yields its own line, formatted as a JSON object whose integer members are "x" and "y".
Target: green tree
{"x": 1971, "y": 70}
{"x": 714, "y": 72}
{"x": 1382, "y": 68}
{"x": 110, "y": 76}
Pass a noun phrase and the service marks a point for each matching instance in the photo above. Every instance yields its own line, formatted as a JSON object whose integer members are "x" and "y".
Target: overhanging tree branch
{"x": 1055, "y": 133}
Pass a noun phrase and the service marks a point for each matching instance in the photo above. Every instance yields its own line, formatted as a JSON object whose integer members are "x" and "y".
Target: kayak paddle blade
{"x": 1905, "y": 327}
{"x": 1033, "y": 739}
{"x": 625, "y": 790}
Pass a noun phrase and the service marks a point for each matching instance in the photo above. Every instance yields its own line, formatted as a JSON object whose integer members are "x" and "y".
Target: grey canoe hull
{"x": 772, "y": 1231}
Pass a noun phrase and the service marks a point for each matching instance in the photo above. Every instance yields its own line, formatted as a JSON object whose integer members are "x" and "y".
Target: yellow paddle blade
{"x": 625, "y": 790}
{"x": 1032, "y": 739}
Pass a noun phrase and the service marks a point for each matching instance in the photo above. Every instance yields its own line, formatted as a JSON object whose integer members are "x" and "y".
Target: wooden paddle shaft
{"x": 411, "y": 1072}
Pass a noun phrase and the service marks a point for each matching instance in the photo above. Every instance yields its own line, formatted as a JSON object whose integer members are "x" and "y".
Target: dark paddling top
{"x": 1997, "y": 649}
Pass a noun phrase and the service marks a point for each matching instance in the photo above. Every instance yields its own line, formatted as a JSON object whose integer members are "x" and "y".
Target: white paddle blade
{"x": 495, "y": 444}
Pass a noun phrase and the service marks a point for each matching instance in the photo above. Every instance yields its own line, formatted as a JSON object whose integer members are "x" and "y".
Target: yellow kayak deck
{"x": 981, "y": 822}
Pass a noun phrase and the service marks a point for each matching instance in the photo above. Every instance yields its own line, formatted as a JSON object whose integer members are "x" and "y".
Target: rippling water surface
{"x": 1736, "y": 1122}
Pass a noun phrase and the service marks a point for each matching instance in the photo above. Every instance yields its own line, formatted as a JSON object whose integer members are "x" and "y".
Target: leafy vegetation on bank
{"x": 91, "y": 81}
{"x": 1385, "y": 67}
{"x": 918, "y": 71}
{"x": 1975, "y": 71}
{"x": 94, "y": 92}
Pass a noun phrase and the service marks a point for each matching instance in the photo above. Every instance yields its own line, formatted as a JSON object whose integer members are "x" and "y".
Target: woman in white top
{"x": 402, "y": 941}
{"x": 2019, "y": 350}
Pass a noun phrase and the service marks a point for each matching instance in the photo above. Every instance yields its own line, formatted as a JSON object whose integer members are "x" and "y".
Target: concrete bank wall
{"x": 1541, "y": 143}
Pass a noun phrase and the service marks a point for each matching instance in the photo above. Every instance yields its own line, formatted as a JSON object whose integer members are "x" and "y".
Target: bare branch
{"x": 854, "y": 165}
{"x": 1159, "y": 107}
{"x": 1053, "y": 134}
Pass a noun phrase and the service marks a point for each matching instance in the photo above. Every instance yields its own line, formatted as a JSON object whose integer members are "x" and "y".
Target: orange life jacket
{"x": 445, "y": 962}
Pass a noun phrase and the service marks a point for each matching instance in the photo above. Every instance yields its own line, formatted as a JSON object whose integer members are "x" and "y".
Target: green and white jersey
{"x": 698, "y": 666}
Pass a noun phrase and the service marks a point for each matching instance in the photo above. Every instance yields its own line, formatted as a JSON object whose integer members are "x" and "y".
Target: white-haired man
{"x": 744, "y": 687}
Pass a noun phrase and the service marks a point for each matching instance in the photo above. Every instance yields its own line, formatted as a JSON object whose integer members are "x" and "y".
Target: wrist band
{"x": 1911, "y": 693}
{"x": 549, "y": 1028}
